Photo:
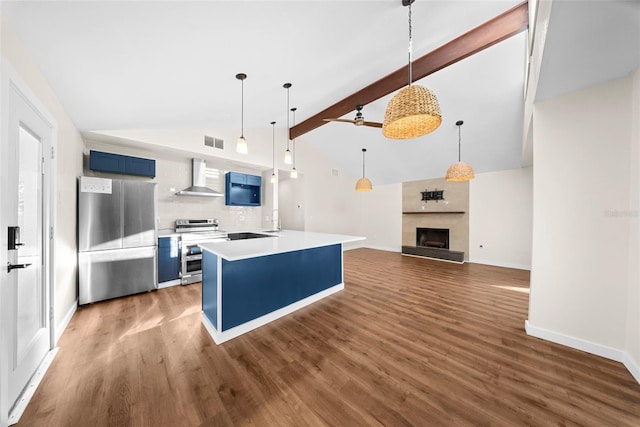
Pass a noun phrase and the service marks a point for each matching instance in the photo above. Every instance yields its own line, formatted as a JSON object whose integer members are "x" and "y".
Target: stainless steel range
{"x": 192, "y": 233}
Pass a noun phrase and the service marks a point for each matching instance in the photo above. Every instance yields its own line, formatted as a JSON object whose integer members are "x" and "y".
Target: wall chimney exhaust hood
{"x": 198, "y": 187}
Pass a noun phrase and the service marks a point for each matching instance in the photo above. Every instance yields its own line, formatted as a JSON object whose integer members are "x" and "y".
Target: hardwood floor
{"x": 409, "y": 341}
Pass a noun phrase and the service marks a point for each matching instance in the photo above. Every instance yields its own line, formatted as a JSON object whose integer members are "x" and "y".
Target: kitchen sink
{"x": 246, "y": 235}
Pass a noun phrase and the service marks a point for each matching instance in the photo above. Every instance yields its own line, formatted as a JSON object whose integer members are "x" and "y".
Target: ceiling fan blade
{"x": 372, "y": 124}
{"x": 339, "y": 120}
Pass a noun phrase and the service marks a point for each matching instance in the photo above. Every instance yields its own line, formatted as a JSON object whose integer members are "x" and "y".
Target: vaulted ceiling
{"x": 172, "y": 65}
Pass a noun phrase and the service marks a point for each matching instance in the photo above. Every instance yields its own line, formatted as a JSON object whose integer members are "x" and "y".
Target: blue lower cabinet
{"x": 168, "y": 259}
{"x": 257, "y": 286}
{"x": 210, "y": 287}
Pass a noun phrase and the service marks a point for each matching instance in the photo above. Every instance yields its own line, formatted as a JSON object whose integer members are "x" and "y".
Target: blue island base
{"x": 241, "y": 295}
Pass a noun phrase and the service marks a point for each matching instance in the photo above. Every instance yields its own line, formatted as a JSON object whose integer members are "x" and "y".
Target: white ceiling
{"x": 172, "y": 64}
{"x": 589, "y": 42}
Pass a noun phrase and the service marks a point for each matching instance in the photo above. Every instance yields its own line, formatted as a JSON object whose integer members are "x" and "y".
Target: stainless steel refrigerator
{"x": 117, "y": 238}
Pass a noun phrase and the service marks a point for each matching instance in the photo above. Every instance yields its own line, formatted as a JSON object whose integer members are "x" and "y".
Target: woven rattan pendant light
{"x": 413, "y": 111}
{"x": 363, "y": 184}
{"x": 460, "y": 171}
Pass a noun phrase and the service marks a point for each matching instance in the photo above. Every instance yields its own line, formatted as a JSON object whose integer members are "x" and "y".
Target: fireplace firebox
{"x": 432, "y": 237}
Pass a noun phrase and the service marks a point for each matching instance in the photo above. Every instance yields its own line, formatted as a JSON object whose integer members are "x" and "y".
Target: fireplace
{"x": 432, "y": 237}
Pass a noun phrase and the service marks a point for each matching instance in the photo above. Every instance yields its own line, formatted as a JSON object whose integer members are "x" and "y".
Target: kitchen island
{"x": 250, "y": 282}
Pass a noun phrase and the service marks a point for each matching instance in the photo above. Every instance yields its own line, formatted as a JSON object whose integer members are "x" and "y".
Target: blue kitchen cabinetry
{"x": 117, "y": 163}
{"x": 168, "y": 258}
{"x": 242, "y": 189}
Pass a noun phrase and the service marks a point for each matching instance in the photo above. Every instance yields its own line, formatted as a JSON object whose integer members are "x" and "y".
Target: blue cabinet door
{"x": 106, "y": 162}
{"x": 168, "y": 259}
{"x": 140, "y": 167}
{"x": 237, "y": 178}
{"x": 254, "y": 180}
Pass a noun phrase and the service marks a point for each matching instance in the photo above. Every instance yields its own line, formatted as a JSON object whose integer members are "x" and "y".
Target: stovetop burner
{"x": 201, "y": 237}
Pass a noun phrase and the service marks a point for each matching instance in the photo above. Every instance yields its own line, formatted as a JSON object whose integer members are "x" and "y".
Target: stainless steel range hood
{"x": 198, "y": 187}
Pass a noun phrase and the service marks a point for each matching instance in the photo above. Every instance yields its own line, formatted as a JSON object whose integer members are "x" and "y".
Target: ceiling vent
{"x": 213, "y": 142}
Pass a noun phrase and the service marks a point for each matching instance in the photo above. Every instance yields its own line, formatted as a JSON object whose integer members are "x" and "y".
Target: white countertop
{"x": 168, "y": 232}
{"x": 282, "y": 241}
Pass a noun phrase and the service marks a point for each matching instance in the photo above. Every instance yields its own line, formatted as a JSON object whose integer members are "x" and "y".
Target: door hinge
{"x": 51, "y": 315}
{"x": 53, "y": 153}
{"x": 42, "y": 166}
{"x": 51, "y": 233}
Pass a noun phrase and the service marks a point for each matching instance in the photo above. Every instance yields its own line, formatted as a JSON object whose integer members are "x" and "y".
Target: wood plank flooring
{"x": 409, "y": 342}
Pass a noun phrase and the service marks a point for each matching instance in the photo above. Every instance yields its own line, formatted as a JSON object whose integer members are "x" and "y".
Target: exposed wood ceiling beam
{"x": 503, "y": 26}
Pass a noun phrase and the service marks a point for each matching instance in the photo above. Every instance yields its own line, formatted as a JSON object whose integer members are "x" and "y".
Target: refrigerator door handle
{"x": 16, "y": 266}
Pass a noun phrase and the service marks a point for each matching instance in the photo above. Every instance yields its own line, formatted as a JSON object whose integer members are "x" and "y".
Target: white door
{"x": 27, "y": 198}
{"x": 291, "y": 202}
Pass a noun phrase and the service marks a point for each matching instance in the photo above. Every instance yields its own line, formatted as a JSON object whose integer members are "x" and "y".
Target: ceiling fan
{"x": 358, "y": 120}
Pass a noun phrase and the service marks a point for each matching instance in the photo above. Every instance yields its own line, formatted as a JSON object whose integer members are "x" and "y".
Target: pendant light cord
{"x": 293, "y": 141}
{"x": 242, "y": 109}
{"x": 410, "y": 49}
{"x": 364, "y": 150}
{"x": 288, "y": 131}
{"x": 459, "y": 126}
{"x": 273, "y": 145}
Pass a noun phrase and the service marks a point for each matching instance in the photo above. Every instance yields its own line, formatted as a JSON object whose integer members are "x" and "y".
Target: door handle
{"x": 16, "y": 266}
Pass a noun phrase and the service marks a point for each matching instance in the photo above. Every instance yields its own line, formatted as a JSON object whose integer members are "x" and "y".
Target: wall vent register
{"x": 214, "y": 142}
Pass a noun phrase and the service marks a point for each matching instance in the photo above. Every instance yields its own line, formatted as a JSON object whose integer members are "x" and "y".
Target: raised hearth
{"x": 438, "y": 253}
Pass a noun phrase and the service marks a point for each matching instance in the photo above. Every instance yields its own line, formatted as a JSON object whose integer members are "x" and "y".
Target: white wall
{"x": 329, "y": 198}
{"x": 333, "y": 206}
{"x": 581, "y": 219}
{"x": 69, "y": 161}
{"x": 4, "y": 335}
{"x": 500, "y": 218}
{"x": 633, "y": 299}
{"x": 379, "y": 216}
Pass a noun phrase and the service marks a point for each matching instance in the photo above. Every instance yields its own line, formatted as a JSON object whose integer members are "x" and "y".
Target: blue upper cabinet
{"x": 117, "y": 163}
{"x": 242, "y": 189}
{"x": 236, "y": 178}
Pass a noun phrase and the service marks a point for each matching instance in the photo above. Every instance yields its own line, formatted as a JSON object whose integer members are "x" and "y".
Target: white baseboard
{"x": 573, "y": 342}
{"x": 384, "y": 248}
{"x": 501, "y": 264}
{"x": 352, "y": 245}
{"x": 220, "y": 337}
{"x": 169, "y": 283}
{"x": 65, "y": 321}
{"x": 587, "y": 346}
{"x": 360, "y": 245}
{"x": 632, "y": 366}
{"x": 31, "y": 387}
